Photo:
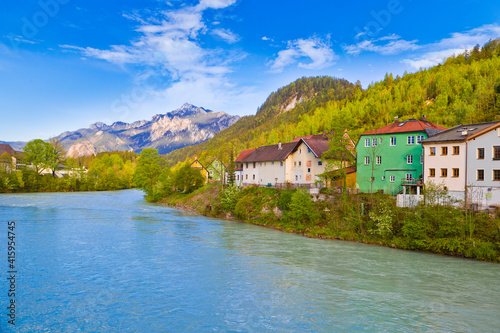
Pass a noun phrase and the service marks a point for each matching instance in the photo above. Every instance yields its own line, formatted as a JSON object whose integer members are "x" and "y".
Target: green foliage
{"x": 302, "y": 207}
{"x": 40, "y": 154}
{"x": 285, "y": 197}
{"x": 188, "y": 179}
{"x": 229, "y": 197}
{"x": 383, "y": 217}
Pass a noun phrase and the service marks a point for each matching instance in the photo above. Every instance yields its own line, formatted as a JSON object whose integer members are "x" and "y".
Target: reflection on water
{"x": 109, "y": 261}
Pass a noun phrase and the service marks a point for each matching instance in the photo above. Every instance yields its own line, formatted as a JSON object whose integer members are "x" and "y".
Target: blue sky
{"x": 65, "y": 64}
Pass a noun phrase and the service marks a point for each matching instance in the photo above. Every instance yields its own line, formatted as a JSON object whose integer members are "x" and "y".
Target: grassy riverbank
{"x": 361, "y": 218}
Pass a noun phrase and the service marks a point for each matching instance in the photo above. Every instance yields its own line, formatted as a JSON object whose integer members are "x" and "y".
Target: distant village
{"x": 397, "y": 159}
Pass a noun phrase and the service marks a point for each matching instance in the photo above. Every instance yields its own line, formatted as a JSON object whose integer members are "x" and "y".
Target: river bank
{"x": 358, "y": 218}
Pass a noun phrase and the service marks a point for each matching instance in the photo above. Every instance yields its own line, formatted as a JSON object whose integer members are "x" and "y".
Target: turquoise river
{"x": 110, "y": 262}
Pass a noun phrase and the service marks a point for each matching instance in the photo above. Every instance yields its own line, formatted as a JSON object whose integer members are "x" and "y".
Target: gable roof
{"x": 318, "y": 147}
{"x": 244, "y": 154}
{"x": 271, "y": 153}
{"x": 457, "y": 133}
{"x": 7, "y": 148}
{"x": 410, "y": 125}
{"x": 216, "y": 160}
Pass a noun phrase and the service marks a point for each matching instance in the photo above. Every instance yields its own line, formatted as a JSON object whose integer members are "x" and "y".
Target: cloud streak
{"x": 169, "y": 49}
{"x": 317, "y": 52}
{"x": 457, "y": 43}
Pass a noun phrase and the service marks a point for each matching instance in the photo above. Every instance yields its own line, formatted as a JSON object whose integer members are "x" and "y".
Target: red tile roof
{"x": 6, "y": 148}
{"x": 312, "y": 136}
{"x": 410, "y": 125}
{"x": 244, "y": 154}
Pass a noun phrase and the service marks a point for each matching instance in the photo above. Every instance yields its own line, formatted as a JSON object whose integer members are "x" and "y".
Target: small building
{"x": 8, "y": 161}
{"x": 197, "y": 165}
{"x": 298, "y": 163}
{"x": 391, "y": 157}
{"x": 238, "y": 173}
{"x": 466, "y": 160}
{"x": 216, "y": 171}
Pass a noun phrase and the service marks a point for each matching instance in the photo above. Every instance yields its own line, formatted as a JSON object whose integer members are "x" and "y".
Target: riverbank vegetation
{"x": 372, "y": 219}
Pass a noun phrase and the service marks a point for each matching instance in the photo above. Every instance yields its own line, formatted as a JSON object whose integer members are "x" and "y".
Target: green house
{"x": 391, "y": 156}
{"x": 216, "y": 170}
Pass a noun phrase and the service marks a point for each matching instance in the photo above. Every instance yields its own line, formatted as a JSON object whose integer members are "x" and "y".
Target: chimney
{"x": 464, "y": 131}
{"x": 424, "y": 118}
{"x": 396, "y": 120}
{"x": 279, "y": 145}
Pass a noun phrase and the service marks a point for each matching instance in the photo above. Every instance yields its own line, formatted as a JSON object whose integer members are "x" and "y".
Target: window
{"x": 456, "y": 172}
{"x": 374, "y": 142}
{"x": 308, "y": 170}
{"x": 253, "y": 177}
{"x": 320, "y": 163}
{"x": 456, "y": 150}
{"x": 309, "y": 150}
{"x": 480, "y": 153}
{"x": 422, "y": 159}
{"x": 379, "y": 160}
{"x": 432, "y": 172}
{"x": 432, "y": 151}
{"x": 281, "y": 163}
{"x": 367, "y": 160}
{"x": 254, "y": 165}
{"x": 237, "y": 177}
{"x": 496, "y": 152}
{"x": 367, "y": 142}
{"x": 300, "y": 163}
{"x": 480, "y": 174}
{"x": 272, "y": 162}
{"x": 216, "y": 165}
{"x": 383, "y": 177}
{"x": 409, "y": 177}
{"x": 409, "y": 159}
{"x": 294, "y": 164}
{"x": 300, "y": 151}
{"x": 411, "y": 140}
{"x": 444, "y": 172}
{"x": 419, "y": 138}
{"x": 247, "y": 165}
{"x": 246, "y": 176}
{"x": 392, "y": 179}
{"x": 444, "y": 150}
{"x": 393, "y": 140}
{"x": 496, "y": 174}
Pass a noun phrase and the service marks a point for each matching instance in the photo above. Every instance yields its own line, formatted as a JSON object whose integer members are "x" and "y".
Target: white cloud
{"x": 387, "y": 45}
{"x": 318, "y": 52}
{"x": 168, "y": 53}
{"x": 267, "y": 39}
{"x": 457, "y": 43}
{"x": 226, "y": 35}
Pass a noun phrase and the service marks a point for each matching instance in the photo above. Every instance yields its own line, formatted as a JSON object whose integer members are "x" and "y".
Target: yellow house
{"x": 197, "y": 165}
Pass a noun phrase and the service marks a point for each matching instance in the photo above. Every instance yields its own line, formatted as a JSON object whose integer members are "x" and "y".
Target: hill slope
{"x": 464, "y": 89}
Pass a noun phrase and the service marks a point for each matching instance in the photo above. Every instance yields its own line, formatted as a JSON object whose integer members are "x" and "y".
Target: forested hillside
{"x": 285, "y": 106}
{"x": 464, "y": 89}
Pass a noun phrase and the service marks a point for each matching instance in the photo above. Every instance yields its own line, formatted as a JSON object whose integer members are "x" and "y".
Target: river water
{"x": 110, "y": 262}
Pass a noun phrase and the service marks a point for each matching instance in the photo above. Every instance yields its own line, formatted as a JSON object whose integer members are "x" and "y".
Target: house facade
{"x": 466, "y": 160}
{"x": 197, "y": 165}
{"x": 238, "y": 173}
{"x": 391, "y": 156}
{"x": 298, "y": 162}
{"x": 216, "y": 171}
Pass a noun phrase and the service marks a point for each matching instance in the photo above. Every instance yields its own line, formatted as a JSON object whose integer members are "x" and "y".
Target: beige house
{"x": 298, "y": 162}
{"x": 466, "y": 160}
